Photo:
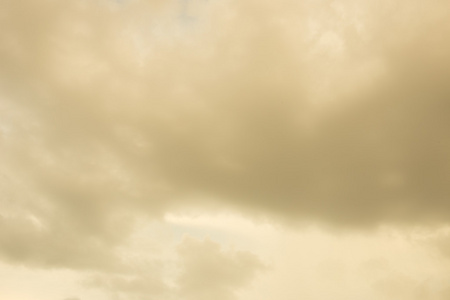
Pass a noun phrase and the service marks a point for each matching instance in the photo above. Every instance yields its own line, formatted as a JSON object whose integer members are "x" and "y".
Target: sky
{"x": 224, "y": 149}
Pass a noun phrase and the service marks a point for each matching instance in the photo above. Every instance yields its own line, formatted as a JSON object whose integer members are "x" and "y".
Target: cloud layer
{"x": 298, "y": 111}
{"x": 307, "y": 110}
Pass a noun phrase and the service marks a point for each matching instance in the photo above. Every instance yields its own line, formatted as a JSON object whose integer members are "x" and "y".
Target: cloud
{"x": 22, "y": 243}
{"x": 323, "y": 112}
{"x": 208, "y": 272}
{"x": 202, "y": 269}
{"x": 137, "y": 286}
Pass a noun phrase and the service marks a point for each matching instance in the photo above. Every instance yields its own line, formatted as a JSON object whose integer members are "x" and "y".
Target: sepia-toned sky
{"x": 224, "y": 149}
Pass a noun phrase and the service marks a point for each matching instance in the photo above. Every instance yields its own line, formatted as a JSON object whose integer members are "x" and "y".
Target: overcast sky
{"x": 224, "y": 149}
